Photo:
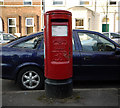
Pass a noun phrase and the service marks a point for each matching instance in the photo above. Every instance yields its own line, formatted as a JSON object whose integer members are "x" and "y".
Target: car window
{"x": 92, "y": 42}
{"x": 30, "y": 43}
{"x": 115, "y": 35}
{"x": 106, "y": 34}
{"x": 73, "y": 44}
{"x": 8, "y": 37}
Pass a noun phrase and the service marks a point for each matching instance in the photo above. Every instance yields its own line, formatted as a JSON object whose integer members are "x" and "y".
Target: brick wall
{"x": 20, "y": 13}
{"x": 20, "y": 2}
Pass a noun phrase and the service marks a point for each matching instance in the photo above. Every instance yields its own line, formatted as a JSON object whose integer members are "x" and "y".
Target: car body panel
{"x": 92, "y": 64}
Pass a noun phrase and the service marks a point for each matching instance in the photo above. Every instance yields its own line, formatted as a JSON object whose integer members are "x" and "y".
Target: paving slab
{"x": 80, "y": 97}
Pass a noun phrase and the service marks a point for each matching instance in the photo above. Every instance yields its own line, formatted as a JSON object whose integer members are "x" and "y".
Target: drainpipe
{"x": 42, "y": 12}
{"x": 114, "y": 20}
{"x": 95, "y": 5}
{"x": 41, "y": 15}
{"x": 106, "y": 14}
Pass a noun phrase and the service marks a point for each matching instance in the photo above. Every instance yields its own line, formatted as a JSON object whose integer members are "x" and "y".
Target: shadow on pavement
{"x": 96, "y": 84}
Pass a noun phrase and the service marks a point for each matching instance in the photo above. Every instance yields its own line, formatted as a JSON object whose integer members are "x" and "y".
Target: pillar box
{"x": 58, "y": 53}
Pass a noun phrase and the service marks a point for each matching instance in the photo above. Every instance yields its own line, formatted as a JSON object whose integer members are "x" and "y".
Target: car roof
{"x": 87, "y": 31}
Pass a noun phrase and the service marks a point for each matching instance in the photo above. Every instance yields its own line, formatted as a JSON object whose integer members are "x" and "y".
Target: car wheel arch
{"x": 26, "y": 66}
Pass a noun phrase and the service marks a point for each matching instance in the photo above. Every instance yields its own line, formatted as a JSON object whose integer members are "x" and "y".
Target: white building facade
{"x": 97, "y": 15}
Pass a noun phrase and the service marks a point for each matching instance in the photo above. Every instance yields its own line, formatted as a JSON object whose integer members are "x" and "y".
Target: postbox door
{"x": 60, "y": 48}
{"x": 60, "y": 51}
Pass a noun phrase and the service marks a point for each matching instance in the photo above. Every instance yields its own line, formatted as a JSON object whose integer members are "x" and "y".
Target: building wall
{"x": 16, "y": 9}
{"x": 99, "y": 7}
{"x": 20, "y": 2}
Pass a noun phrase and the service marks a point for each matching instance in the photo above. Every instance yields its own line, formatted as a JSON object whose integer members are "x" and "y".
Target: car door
{"x": 76, "y": 55}
{"x": 21, "y": 54}
{"x": 98, "y": 58}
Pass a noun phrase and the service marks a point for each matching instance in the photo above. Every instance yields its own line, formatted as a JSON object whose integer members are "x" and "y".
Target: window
{"x": 1, "y": 2}
{"x": 79, "y": 24}
{"x": 112, "y": 2}
{"x": 12, "y": 25}
{"x": 92, "y": 42}
{"x": 105, "y": 27}
{"x": 85, "y": 2}
{"x": 27, "y": 2}
{"x": 29, "y": 25}
{"x": 31, "y": 43}
{"x": 105, "y": 24}
{"x": 58, "y": 2}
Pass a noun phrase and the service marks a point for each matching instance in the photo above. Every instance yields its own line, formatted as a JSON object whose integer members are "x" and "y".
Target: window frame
{"x": 12, "y": 25}
{"x": 112, "y": 1}
{"x": 2, "y": 2}
{"x": 81, "y": 47}
{"x": 29, "y": 25}
{"x": 32, "y": 22}
{"x": 79, "y": 26}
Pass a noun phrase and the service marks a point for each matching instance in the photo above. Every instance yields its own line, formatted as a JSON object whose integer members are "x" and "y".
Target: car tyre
{"x": 31, "y": 78}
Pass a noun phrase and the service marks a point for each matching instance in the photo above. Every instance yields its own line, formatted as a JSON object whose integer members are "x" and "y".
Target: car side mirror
{"x": 117, "y": 51}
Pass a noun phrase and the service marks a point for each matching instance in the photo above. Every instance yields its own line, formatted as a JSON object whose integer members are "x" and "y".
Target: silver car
{"x": 6, "y": 37}
{"x": 114, "y": 36}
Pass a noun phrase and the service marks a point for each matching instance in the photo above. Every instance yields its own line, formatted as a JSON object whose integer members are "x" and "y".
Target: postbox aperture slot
{"x": 59, "y": 20}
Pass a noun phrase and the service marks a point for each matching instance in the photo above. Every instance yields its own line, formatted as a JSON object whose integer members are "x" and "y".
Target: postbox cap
{"x": 59, "y": 12}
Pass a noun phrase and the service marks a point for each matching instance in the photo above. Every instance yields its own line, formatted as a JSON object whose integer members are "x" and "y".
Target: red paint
{"x": 58, "y": 49}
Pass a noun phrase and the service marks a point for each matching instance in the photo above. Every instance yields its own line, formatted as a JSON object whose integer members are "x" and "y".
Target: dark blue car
{"x": 95, "y": 57}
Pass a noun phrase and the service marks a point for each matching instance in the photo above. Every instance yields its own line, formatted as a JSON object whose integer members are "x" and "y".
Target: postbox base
{"x": 58, "y": 88}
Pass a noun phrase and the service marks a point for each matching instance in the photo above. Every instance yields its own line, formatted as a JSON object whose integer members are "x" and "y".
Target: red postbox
{"x": 58, "y": 48}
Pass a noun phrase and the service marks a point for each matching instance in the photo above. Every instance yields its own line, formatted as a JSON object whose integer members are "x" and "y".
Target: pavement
{"x": 80, "y": 97}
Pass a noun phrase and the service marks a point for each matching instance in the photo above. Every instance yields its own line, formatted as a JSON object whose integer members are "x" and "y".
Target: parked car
{"x": 6, "y": 37}
{"x": 114, "y": 36}
{"x": 95, "y": 57}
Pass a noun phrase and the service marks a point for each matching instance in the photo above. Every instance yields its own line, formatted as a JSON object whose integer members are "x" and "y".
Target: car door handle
{"x": 87, "y": 58}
